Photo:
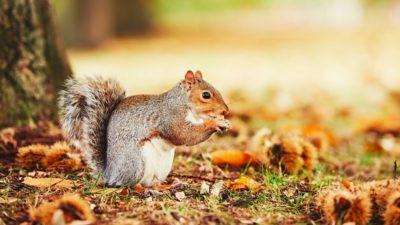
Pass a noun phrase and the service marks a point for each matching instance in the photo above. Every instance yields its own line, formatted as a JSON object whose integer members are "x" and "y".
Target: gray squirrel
{"x": 132, "y": 140}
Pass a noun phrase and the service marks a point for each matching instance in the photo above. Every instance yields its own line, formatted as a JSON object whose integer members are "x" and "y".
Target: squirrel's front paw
{"x": 223, "y": 125}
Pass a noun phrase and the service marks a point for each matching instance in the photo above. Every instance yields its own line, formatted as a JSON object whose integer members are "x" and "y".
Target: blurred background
{"x": 349, "y": 49}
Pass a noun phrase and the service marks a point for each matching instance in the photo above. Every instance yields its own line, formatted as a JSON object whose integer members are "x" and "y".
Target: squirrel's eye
{"x": 206, "y": 95}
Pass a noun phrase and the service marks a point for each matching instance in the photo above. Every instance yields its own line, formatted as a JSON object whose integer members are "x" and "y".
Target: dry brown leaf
{"x": 8, "y": 200}
{"x": 380, "y": 125}
{"x": 103, "y": 191}
{"x": 48, "y": 182}
{"x": 244, "y": 183}
{"x": 8, "y": 144}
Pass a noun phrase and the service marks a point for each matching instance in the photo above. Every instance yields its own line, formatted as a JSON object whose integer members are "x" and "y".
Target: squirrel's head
{"x": 204, "y": 99}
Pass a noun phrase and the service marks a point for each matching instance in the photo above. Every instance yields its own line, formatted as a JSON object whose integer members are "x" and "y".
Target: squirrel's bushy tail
{"x": 85, "y": 108}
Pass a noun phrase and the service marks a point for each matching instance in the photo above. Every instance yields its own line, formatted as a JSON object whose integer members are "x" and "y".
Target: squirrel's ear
{"x": 198, "y": 75}
{"x": 190, "y": 80}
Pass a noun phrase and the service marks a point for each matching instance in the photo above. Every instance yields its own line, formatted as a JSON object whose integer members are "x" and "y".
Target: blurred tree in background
{"x": 88, "y": 23}
{"x": 33, "y": 63}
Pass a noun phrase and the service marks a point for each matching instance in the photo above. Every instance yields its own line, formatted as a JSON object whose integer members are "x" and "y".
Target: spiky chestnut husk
{"x": 392, "y": 213}
{"x": 293, "y": 153}
{"x": 342, "y": 206}
{"x": 65, "y": 210}
{"x": 56, "y": 157}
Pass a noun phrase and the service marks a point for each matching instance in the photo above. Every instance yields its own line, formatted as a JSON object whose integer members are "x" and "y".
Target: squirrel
{"x": 132, "y": 140}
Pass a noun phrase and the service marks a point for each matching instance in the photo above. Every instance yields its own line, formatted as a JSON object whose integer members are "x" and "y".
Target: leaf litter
{"x": 274, "y": 166}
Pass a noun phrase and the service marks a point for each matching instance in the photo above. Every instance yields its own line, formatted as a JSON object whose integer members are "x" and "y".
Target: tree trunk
{"x": 133, "y": 17}
{"x": 33, "y": 63}
{"x": 89, "y": 23}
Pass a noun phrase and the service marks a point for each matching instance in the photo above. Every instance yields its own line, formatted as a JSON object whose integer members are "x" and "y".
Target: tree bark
{"x": 33, "y": 62}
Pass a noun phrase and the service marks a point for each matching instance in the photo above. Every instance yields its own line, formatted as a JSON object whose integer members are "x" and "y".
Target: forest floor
{"x": 343, "y": 101}
{"x": 352, "y": 148}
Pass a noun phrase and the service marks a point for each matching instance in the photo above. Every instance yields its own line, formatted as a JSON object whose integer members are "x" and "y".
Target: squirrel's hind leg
{"x": 125, "y": 167}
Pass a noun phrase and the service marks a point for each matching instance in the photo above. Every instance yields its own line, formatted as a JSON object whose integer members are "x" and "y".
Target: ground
{"x": 356, "y": 155}
{"x": 344, "y": 82}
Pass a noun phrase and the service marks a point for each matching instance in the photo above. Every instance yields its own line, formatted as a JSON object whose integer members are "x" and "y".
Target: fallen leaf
{"x": 379, "y": 126}
{"x": 216, "y": 188}
{"x": 346, "y": 184}
{"x": 7, "y": 141}
{"x": 139, "y": 188}
{"x": 48, "y": 182}
{"x": 244, "y": 183}
{"x": 8, "y": 200}
{"x": 124, "y": 191}
{"x": 158, "y": 187}
{"x": 154, "y": 192}
{"x": 180, "y": 195}
{"x": 204, "y": 188}
{"x": 314, "y": 129}
{"x": 103, "y": 191}
{"x": 161, "y": 187}
{"x": 236, "y": 158}
{"x": 149, "y": 199}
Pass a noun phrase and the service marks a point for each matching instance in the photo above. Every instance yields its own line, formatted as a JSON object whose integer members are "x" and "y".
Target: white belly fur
{"x": 158, "y": 157}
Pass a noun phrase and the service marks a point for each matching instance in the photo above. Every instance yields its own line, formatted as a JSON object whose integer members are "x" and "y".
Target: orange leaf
{"x": 244, "y": 183}
{"x": 312, "y": 129}
{"x": 124, "y": 191}
{"x": 346, "y": 184}
{"x": 140, "y": 188}
{"x": 234, "y": 157}
{"x": 161, "y": 187}
{"x": 228, "y": 183}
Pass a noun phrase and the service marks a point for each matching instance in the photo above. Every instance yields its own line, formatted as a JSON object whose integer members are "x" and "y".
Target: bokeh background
{"x": 349, "y": 49}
